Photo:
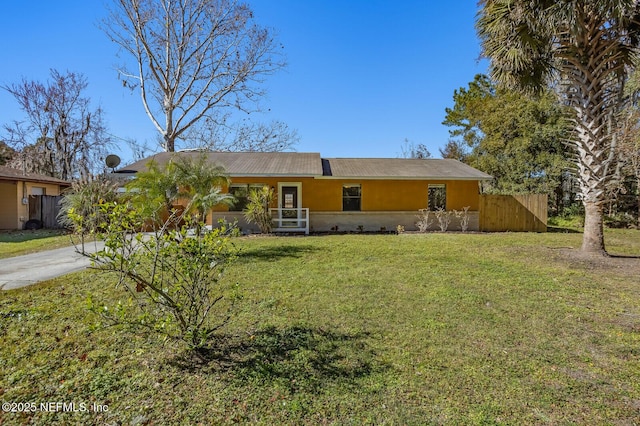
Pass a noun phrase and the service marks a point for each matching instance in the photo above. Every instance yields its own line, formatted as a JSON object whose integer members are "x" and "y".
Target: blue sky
{"x": 362, "y": 75}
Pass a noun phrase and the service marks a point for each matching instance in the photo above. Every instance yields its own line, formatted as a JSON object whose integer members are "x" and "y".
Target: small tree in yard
{"x": 81, "y": 201}
{"x": 200, "y": 182}
{"x": 172, "y": 277}
{"x": 257, "y": 210}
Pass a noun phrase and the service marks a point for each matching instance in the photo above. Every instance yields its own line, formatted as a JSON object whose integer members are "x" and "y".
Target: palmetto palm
{"x": 585, "y": 48}
{"x": 200, "y": 182}
{"x": 191, "y": 180}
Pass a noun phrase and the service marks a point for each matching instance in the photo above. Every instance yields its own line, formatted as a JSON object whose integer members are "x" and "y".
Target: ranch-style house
{"x": 342, "y": 194}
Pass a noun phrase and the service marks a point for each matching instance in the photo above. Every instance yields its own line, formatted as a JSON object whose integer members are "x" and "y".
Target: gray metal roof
{"x": 310, "y": 164}
{"x": 246, "y": 163}
{"x": 401, "y": 168}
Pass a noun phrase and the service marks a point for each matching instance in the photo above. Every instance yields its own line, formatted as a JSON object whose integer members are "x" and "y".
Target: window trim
{"x": 436, "y": 186}
{"x": 296, "y": 184}
{"x": 352, "y": 197}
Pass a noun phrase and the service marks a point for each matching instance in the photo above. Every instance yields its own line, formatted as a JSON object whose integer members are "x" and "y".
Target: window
{"x": 351, "y": 197}
{"x": 437, "y": 197}
{"x": 241, "y": 192}
{"x": 36, "y": 190}
{"x": 288, "y": 201}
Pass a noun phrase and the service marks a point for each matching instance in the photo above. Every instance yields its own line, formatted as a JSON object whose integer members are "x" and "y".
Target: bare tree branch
{"x": 61, "y": 135}
{"x": 192, "y": 57}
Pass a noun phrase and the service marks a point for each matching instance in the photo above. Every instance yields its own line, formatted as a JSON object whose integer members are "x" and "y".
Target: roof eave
{"x": 34, "y": 180}
{"x": 259, "y": 175}
{"x": 408, "y": 178}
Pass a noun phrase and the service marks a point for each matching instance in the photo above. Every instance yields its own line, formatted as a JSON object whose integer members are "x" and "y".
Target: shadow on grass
{"x": 271, "y": 253}
{"x": 299, "y": 358}
{"x": 557, "y": 229}
{"x": 624, "y": 256}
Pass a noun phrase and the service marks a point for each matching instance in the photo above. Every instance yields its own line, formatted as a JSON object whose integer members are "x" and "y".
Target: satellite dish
{"x": 112, "y": 161}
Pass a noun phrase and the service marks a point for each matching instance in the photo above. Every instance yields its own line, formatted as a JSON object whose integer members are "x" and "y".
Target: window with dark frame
{"x": 437, "y": 197}
{"x": 241, "y": 194}
{"x": 351, "y": 197}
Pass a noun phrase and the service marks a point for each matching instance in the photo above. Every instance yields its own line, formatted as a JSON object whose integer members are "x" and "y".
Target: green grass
{"x": 16, "y": 243}
{"x": 571, "y": 222}
{"x": 355, "y": 329}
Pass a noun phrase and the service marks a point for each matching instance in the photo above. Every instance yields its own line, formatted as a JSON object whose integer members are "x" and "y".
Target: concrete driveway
{"x": 21, "y": 271}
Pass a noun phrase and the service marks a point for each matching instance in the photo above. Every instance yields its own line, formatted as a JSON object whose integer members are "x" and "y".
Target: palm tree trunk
{"x": 593, "y": 238}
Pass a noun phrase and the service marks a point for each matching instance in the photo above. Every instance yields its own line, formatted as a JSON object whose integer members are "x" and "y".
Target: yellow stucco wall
{"x": 377, "y": 195}
{"x": 13, "y": 213}
{"x": 50, "y": 189}
{"x": 389, "y": 195}
{"x": 8, "y": 205}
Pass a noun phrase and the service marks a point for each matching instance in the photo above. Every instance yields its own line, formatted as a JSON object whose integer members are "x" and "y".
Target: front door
{"x": 289, "y": 205}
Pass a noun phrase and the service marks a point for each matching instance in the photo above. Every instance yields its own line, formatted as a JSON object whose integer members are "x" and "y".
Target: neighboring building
{"x": 22, "y": 194}
{"x": 343, "y": 194}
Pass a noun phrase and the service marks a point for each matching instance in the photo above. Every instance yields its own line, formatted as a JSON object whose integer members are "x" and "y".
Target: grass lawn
{"x": 355, "y": 329}
{"x": 15, "y": 243}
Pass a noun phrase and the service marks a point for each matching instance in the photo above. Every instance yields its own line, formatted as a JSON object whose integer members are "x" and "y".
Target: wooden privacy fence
{"x": 45, "y": 208}
{"x": 517, "y": 213}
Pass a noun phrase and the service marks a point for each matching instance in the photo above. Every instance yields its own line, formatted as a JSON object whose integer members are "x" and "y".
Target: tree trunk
{"x": 169, "y": 144}
{"x": 638, "y": 198}
{"x": 593, "y": 237}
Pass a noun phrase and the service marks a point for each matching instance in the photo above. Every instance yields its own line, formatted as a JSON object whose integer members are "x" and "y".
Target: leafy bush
{"x": 196, "y": 181}
{"x": 79, "y": 207}
{"x": 575, "y": 209}
{"x": 570, "y": 217}
{"x": 621, "y": 220}
{"x": 257, "y": 210}
{"x": 173, "y": 277}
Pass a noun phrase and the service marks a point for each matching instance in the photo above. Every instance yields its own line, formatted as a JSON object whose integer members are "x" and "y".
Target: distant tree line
{"x": 521, "y": 140}
{"x": 584, "y": 51}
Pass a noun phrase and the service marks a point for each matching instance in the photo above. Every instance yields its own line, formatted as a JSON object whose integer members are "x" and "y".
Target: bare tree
{"x": 61, "y": 136}
{"x": 454, "y": 149}
{"x": 245, "y": 136}
{"x": 410, "y": 150}
{"x": 193, "y": 59}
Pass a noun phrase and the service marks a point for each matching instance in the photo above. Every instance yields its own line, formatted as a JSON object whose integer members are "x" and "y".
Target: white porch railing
{"x": 290, "y": 220}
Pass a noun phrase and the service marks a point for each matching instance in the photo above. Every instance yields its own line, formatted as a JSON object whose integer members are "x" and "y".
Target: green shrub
{"x": 80, "y": 205}
{"x": 621, "y": 220}
{"x": 257, "y": 210}
{"x": 173, "y": 278}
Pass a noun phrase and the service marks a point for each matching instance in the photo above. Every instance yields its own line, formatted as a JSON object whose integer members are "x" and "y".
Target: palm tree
{"x": 585, "y": 49}
{"x": 200, "y": 182}
{"x": 184, "y": 178}
{"x": 155, "y": 189}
